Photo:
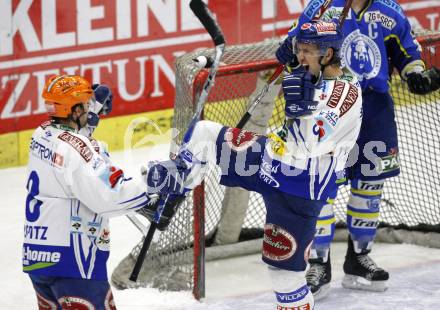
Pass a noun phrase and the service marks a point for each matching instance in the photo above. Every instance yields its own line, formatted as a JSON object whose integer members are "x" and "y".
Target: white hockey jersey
{"x": 311, "y": 163}
{"x": 72, "y": 191}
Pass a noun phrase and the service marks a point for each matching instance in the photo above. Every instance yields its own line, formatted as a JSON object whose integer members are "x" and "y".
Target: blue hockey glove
{"x": 166, "y": 177}
{"x": 102, "y": 105}
{"x": 169, "y": 209}
{"x": 299, "y": 89}
{"x": 285, "y": 54}
{"x": 104, "y": 96}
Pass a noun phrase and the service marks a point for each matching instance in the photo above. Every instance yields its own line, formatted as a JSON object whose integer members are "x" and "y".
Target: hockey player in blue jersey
{"x": 295, "y": 176}
{"x": 72, "y": 191}
{"x": 375, "y": 32}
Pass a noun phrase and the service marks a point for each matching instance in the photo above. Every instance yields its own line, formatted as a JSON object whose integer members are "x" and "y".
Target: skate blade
{"x": 359, "y": 283}
{"x": 322, "y": 292}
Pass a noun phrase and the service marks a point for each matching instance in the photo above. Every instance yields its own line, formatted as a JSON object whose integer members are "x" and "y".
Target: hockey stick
{"x": 315, "y": 9}
{"x": 205, "y": 16}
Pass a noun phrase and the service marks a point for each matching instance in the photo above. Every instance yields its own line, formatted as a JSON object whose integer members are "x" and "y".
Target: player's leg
{"x": 360, "y": 270}
{"x": 288, "y": 234}
{"x": 45, "y": 297}
{"x": 378, "y": 160}
{"x": 236, "y": 152}
{"x": 80, "y": 294}
{"x": 319, "y": 274}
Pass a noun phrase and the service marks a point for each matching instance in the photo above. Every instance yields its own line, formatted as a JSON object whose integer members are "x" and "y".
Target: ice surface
{"x": 239, "y": 283}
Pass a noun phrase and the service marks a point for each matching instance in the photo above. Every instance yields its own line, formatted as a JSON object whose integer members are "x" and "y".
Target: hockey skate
{"x": 362, "y": 273}
{"x": 318, "y": 277}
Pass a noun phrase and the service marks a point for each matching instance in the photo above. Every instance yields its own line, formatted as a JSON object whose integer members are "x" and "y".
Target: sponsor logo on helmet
{"x": 278, "y": 243}
{"x": 325, "y": 28}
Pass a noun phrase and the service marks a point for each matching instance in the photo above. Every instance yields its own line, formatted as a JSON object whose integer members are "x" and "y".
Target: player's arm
{"x": 404, "y": 53}
{"x": 100, "y": 186}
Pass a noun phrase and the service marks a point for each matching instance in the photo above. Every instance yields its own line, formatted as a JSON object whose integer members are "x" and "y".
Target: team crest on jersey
{"x": 361, "y": 55}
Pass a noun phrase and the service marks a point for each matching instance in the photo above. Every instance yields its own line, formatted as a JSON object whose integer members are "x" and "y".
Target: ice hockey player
{"x": 296, "y": 176}
{"x": 378, "y": 38}
{"x": 72, "y": 191}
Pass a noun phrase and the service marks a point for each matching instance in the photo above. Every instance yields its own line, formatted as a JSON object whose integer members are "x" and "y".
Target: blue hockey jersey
{"x": 377, "y": 39}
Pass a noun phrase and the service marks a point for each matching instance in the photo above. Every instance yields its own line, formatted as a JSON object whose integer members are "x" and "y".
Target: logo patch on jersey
{"x": 105, "y": 237}
{"x": 330, "y": 117}
{"x": 278, "y": 244}
{"x": 389, "y": 163}
{"x": 79, "y": 145}
{"x": 265, "y": 173}
{"x": 378, "y": 17}
{"x": 349, "y": 100}
{"x": 277, "y": 144}
{"x": 48, "y": 257}
{"x": 361, "y": 55}
{"x": 239, "y": 140}
{"x": 336, "y": 95}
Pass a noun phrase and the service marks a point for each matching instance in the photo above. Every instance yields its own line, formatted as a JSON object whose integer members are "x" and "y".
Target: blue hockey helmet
{"x": 324, "y": 34}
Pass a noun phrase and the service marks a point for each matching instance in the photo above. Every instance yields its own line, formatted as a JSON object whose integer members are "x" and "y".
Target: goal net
{"x": 213, "y": 217}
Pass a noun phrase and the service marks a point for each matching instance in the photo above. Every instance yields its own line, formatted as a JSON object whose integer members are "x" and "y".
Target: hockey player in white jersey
{"x": 295, "y": 171}
{"x": 72, "y": 191}
{"x": 377, "y": 37}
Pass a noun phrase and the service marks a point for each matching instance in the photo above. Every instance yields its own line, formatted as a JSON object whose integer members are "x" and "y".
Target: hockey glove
{"x": 169, "y": 209}
{"x": 102, "y": 105}
{"x": 166, "y": 177}
{"x": 299, "y": 89}
{"x": 421, "y": 83}
{"x": 103, "y": 95}
{"x": 285, "y": 54}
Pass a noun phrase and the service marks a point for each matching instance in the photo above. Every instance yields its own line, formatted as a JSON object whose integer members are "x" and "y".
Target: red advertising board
{"x": 128, "y": 44}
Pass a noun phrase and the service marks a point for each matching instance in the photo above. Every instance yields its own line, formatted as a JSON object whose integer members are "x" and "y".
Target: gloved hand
{"x": 299, "y": 89}
{"x": 424, "y": 82}
{"x": 102, "y": 105}
{"x": 166, "y": 177}
{"x": 169, "y": 209}
{"x": 285, "y": 54}
{"x": 104, "y": 96}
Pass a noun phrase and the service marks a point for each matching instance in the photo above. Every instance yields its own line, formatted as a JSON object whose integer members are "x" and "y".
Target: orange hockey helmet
{"x": 63, "y": 92}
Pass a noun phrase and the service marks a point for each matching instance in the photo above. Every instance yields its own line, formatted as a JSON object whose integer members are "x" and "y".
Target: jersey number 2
{"x": 33, "y": 184}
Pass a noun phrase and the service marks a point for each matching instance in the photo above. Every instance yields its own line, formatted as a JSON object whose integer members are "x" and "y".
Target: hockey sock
{"x": 325, "y": 231}
{"x": 363, "y": 212}
{"x": 291, "y": 290}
